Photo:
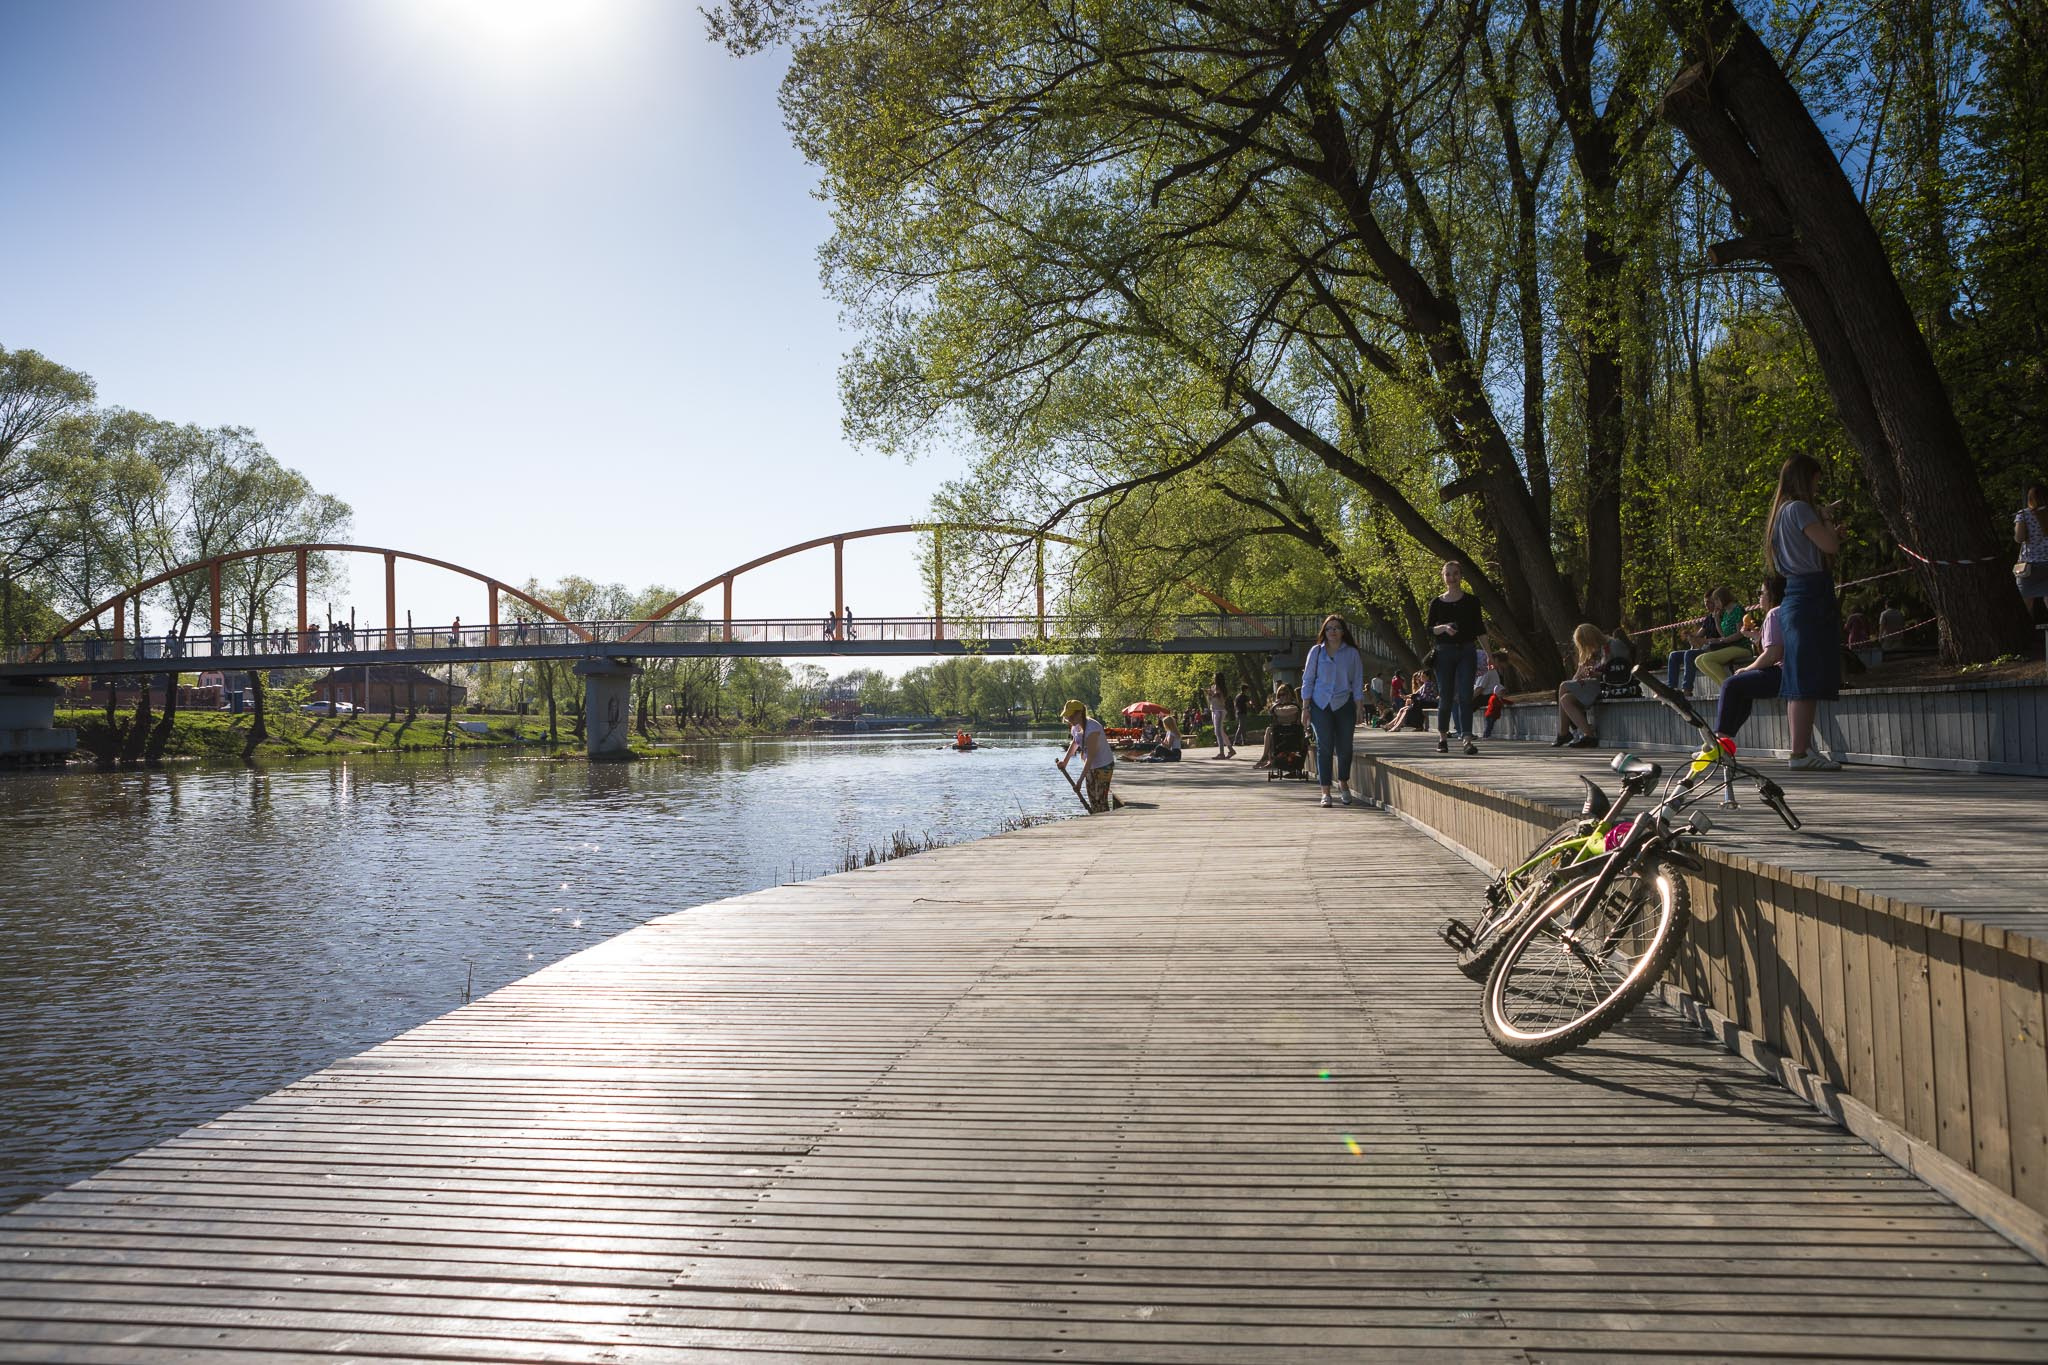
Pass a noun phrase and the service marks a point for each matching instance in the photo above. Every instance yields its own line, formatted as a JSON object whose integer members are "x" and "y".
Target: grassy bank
{"x": 217, "y": 736}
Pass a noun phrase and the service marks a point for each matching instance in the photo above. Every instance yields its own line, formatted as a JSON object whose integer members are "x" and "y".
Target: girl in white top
{"x": 1219, "y": 717}
{"x": 1098, "y": 764}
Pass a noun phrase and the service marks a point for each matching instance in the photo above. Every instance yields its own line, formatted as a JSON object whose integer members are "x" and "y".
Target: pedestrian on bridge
{"x": 1098, "y": 764}
{"x": 847, "y": 619}
{"x": 1333, "y": 684}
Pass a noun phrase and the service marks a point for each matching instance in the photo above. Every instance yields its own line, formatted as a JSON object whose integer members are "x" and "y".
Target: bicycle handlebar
{"x": 1672, "y": 698}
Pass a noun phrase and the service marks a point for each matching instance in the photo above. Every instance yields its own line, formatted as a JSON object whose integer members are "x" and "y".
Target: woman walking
{"x": 1800, "y": 540}
{"x": 1333, "y": 684}
{"x": 1454, "y": 621}
{"x": 1098, "y": 764}
{"x": 2030, "y": 575}
{"x": 1219, "y": 717}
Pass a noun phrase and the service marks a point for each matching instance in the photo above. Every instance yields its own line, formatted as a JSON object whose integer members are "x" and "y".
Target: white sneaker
{"x": 1813, "y": 763}
{"x": 1345, "y": 796}
{"x": 1326, "y": 802}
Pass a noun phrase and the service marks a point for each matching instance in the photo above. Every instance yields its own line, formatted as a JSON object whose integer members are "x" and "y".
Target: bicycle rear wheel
{"x": 1513, "y": 899}
{"x": 1551, "y": 991}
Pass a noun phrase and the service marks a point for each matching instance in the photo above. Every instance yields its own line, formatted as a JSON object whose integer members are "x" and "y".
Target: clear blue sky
{"x": 532, "y": 284}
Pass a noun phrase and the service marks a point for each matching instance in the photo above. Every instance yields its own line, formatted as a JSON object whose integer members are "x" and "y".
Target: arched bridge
{"x": 108, "y": 639}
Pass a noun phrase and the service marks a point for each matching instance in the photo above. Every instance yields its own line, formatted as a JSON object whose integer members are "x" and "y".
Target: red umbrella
{"x": 1145, "y": 708}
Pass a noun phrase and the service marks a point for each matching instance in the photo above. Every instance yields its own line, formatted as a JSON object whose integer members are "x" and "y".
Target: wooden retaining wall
{"x": 1994, "y": 728}
{"x": 1922, "y": 1032}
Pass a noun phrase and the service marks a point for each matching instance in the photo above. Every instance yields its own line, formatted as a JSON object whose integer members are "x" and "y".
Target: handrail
{"x": 189, "y": 651}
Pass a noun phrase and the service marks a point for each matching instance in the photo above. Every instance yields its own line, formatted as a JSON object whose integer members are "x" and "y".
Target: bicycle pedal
{"x": 1456, "y": 933}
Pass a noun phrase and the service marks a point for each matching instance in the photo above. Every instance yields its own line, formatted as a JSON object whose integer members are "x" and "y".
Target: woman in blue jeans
{"x": 1333, "y": 685}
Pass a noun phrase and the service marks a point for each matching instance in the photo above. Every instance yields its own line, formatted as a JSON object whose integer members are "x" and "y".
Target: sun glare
{"x": 503, "y": 34}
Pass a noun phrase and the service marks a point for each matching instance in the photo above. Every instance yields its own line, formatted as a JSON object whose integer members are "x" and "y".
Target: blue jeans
{"x": 1333, "y": 739}
{"x": 1741, "y": 693}
{"x": 1681, "y": 668}
{"x": 1457, "y": 668}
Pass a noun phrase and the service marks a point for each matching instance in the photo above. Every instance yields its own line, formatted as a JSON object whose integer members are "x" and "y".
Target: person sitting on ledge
{"x": 1763, "y": 676}
{"x": 1577, "y": 694}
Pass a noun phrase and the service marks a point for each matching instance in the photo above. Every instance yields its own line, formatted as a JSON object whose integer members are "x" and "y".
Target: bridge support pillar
{"x": 607, "y": 707}
{"x": 28, "y": 725}
{"x": 1286, "y": 668}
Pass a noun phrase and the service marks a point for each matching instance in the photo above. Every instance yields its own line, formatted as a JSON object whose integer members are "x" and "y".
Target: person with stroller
{"x": 1284, "y": 695}
{"x": 1333, "y": 683}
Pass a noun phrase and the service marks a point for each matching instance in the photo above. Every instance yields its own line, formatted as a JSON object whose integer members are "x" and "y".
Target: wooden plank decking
{"x": 1964, "y": 844}
{"x": 1188, "y": 1083}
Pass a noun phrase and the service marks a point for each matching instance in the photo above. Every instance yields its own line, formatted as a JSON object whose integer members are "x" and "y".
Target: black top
{"x": 1462, "y": 615}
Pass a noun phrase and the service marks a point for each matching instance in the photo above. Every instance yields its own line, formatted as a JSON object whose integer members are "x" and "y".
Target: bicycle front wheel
{"x": 1553, "y": 988}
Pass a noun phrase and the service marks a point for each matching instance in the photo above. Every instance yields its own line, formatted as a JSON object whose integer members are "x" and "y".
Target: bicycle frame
{"x": 1688, "y": 787}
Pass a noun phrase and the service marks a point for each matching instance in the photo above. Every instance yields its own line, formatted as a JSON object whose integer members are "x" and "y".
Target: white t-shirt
{"x": 1095, "y": 751}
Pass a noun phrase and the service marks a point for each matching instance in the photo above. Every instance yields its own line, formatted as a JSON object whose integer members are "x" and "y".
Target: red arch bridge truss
{"x": 107, "y": 639}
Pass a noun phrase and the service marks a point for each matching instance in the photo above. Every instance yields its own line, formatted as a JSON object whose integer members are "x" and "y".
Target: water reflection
{"x": 174, "y": 944}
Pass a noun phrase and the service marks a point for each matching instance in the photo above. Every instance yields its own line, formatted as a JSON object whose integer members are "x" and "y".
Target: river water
{"x": 173, "y": 944}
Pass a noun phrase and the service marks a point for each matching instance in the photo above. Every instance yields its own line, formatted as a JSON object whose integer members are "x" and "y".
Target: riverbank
{"x": 223, "y": 737}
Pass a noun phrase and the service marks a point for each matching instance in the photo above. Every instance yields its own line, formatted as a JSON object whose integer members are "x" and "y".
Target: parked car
{"x": 331, "y": 708}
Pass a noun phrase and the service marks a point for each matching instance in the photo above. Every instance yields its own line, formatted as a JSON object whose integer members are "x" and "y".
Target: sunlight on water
{"x": 174, "y": 944}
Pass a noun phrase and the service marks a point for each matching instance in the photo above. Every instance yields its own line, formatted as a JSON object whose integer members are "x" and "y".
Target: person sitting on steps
{"x": 1577, "y": 694}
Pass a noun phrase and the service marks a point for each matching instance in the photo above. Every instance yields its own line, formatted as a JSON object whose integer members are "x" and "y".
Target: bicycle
{"x": 1599, "y": 930}
{"x": 1511, "y": 894}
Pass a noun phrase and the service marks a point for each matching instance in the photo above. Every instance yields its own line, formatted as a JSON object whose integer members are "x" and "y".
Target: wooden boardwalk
{"x": 1190, "y": 1083}
{"x": 1966, "y": 844}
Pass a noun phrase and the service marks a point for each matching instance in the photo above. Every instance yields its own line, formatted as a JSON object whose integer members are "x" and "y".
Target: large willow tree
{"x": 1379, "y": 282}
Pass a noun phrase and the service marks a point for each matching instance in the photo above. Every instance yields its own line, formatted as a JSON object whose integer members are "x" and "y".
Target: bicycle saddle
{"x": 1639, "y": 772}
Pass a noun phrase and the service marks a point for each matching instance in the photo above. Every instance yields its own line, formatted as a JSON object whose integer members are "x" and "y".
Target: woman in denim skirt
{"x": 1800, "y": 542}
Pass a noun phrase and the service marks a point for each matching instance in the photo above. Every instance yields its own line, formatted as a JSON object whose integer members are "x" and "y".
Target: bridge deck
{"x": 1188, "y": 1083}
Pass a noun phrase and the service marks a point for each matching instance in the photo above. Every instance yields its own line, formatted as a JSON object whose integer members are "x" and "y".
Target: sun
{"x": 520, "y": 33}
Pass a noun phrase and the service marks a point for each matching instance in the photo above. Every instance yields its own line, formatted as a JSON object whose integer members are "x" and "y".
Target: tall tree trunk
{"x": 259, "y": 723}
{"x": 1751, "y": 131}
{"x": 160, "y": 737}
{"x": 138, "y": 728}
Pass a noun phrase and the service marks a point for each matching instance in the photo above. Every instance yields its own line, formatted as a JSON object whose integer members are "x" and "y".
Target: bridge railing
{"x": 193, "y": 650}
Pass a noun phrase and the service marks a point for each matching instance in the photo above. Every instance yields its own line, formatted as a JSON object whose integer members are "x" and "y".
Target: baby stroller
{"x": 1288, "y": 741}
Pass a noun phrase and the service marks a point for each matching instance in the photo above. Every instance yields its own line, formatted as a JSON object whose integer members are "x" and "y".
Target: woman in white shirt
{"x": 1098, "y": 764}
{"x": 1333, "y": 686}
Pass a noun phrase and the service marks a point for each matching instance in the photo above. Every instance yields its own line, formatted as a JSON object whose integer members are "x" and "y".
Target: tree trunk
{"x": 138, "y": 728}
{"x": 259, "y": 724}
{"x": 1751, "y": 131}
{"x": 160, "y": 737}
